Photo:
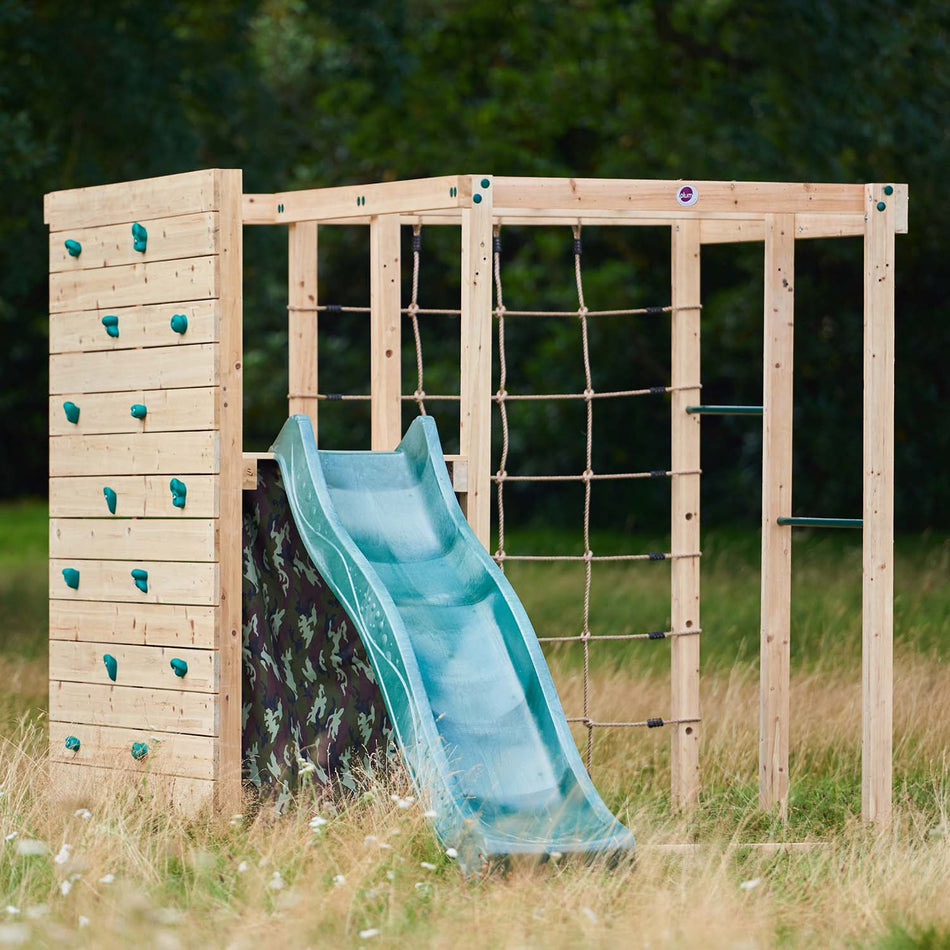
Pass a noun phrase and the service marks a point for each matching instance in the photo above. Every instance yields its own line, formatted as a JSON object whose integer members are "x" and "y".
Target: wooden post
{"x": 685, "y": 534}
{"x": 302, "y": 319}
{"x": 385, "y": 333}
{"x": 878, "y": 592}
{"x": 775, "y": 624}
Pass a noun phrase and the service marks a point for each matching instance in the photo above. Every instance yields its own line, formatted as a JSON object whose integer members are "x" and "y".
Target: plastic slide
{"x": 461, "y": 671}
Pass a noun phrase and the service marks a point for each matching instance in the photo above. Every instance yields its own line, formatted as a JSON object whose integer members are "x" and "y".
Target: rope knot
{"x": 588, "y": 555}
{"x": 500, "y": 310}
{"x": 419, "y": 394}
{"x": 588, "y": 393}
{"x": 502, "y": 394}
{"x": 500, "y": 555}
{"x": 582, "y": 310}
{"x": 587, "y": 475}
{"x": 502, "y": 475}
{"x": 412, "y": 309}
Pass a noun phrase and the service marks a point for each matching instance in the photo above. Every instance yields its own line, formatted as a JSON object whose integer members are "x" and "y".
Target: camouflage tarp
{"x": 309, "y": 693}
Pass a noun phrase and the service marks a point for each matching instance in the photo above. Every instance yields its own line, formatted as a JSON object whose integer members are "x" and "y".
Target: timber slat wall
{"x": 189, "y": 383}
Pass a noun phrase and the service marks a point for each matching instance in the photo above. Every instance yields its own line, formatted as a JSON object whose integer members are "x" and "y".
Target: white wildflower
{"x": 339, "y": 880}
{"x": 83, "y": 813}
{"x": 107, "y": 879}
{"x": 452, "y": 853}
{"x": 65, "y": 887}
{"x": 83, "y": 921}
{"x": 589, "y": 914}
{"x": 276, "y": 883}
{"x": 242, "y": 867}
{"x": 749, "y": 885}
{"x": 390, "y": 875}
{"x": 304, "y": 767}
{"x": 404, "y": 803}
{"x": 11, "y": 836}
{"x": 317, "y": 822}
{"x": 395, "y": 798}
{"x": 371, "y": 932}
{"x": 555, "y": 855}
{"x": 385, "y": 846}
{"x": 30, "y": 846}
{"x": 430, "y": 813}
{"x": 369, "y": 839}
{"x": 63, "y": 855}
{"x": 428, "y": 865}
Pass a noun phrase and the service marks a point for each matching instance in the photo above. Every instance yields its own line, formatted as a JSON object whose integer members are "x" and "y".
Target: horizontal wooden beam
{"x": 158, "y": 539}
{"x": 142, "y": 453}
{"x": 170, "y": 625}
{"x": 169, "y": 582}
{"x": 167, "y": 410}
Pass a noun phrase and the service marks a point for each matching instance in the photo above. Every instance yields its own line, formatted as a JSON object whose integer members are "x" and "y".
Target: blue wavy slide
{"x": 476, "y": 715}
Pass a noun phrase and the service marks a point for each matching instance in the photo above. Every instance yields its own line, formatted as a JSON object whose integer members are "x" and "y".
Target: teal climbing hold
{"x": 139, "y": 750}
{"x": 881, "y": 206}
{"x": 71, "y": 576}
{"x": 477, "y": 199}
{"x": 73, "y": 248}
{"x": 138, "y": 411}
{"x": 111, "y": 666}
{"x": 141, "y": 579}
{"x": 179, "y": 323}
{"x": 139, "y": 237}
{"x": 179, "y": 666}
{"x": 179, "y": 492}
{"x": 485, "y": 183}
{"x": 110, "y": 497}
{"x": 111, "y": 322}
{"x": 72, "y": 412}
{"x": 72, "y": 743}
{"x": 888, "y": 189}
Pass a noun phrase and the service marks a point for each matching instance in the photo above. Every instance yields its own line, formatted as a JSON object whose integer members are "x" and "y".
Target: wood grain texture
{"x": 137, "y": 496}
{"x": 159, "y": 539}
{"x": 170, "y": 625}
{"x": 385, "y": 333}
{"x": 145, "y": 453}
{"x": 169, "y": 410}
{"x": 169, "y": 582}
{"x": 302, "y": 323}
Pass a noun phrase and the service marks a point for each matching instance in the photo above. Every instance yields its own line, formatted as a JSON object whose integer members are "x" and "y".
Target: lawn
{"x": 129, "y": 870}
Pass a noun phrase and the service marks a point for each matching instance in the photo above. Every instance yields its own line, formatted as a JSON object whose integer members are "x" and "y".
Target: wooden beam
{"x": 168, "y": 410}
{"x": 385, "y": 333}
{"x": 152, "y": 624}
{"x": 169, "y": 582}
{"x": 877, "y": 620}
{"x": 302, "y": 319}
{"x": 777, "y": 402}
{"x": 137, "y": 496}
{"x": 684, "y": 513}
{"x": 159, "y": 539}
{"x": 140, "y": 453}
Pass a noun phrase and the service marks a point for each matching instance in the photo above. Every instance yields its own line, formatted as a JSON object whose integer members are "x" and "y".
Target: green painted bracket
{"x": 111, "y": 322}
{"x": 139, "y": 750}
{"x": 71, "y": 576}
{"x": 139, "y": 237}
{"x": 72, "y": 743}
{"x": 72, "y": 412}
{"x": 138, "y": 411}
{"x": 724, "y": 410}
{"x": 179, "y": 666}
{"x": 821, "y": 522}
{"x": 73, "y": 248}
{"x": 110, "y": 497}
{"x": 179, "y": 492}
{"x": 141, "y": 579}
{"x": 112, "y": 667}
{"x": 179, "y": 323}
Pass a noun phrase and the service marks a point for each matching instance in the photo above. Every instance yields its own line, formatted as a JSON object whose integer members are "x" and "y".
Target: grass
{"x": 138, "y": 872}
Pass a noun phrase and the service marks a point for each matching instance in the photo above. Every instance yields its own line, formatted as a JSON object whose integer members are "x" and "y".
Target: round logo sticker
{"x": 687, "y": 195}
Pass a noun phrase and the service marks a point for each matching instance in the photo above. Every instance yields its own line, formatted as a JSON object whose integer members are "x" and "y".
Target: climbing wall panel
{"x": 145, "y": 443}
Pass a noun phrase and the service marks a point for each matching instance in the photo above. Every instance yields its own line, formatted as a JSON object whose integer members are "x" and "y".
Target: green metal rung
{"x": 724, "y": 410}
{"x": 822, "y": 522}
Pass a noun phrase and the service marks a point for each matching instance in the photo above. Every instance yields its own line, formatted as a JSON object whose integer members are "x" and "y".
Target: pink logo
{"x": 687, "y": 195}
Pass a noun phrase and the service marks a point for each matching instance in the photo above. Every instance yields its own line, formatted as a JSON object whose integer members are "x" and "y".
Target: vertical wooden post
{"x": 685, "y": 534}
{"x": 385, "y": 332}
{"x": 878, "y": 593}
{"x": 777, "y": 403}
{"x": 228, "y": 187}
{"x": 302, "y": 319}
{"x": 476, "y": 394}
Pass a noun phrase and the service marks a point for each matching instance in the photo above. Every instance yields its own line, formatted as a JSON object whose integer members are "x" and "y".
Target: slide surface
{"x": 460, "y": 668}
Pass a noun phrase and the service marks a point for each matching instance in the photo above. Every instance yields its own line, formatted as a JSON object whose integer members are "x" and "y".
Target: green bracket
{"x": 179, "y": 666}
{"x": 111, "y": 322}
{"x": 179, "y": 323}
{"x": 110, "y": 497}
{"x": 72, "y": 412}
{"x": 112, "y": 667}
{"x": 139, "y": 750}
{"x": 724, "y": 410}
{"x": 179, "y": 492}
{"x": 73, "y": 248}
{"x": 138, "y": 411}
{"x": 141, "y": 579}
{"x": 72, "y": 743}
{"x": 71, "y": 576}
{"x": 821, "y": 522}
{"x": 139, "y": 238}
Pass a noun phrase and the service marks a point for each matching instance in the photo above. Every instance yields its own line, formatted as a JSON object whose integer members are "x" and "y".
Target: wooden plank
{"x": 137, "y": 496}
{"x": 684, "y": 513}
{"x": 80, "y": 661}
{"x": 228, "y": 793}
{"x": 385, "y": 333}
{"x": 163, "y": 709}
{"x": 877, "y": 620}
{"x": 149, "y": 326}
{"x": 172, "y": 367}
{"x": 169, "y": 753}
{"x": 584, "y": 194}
{"x": 169, "y": 410}
{"x": 169, "y": 582}
{"x": 142, "y": 200}
{"x": 127, "y": 284}
{"x": 302, "y": 319}
{"x": 476, "y": 356}
{"x": 152, "y": 453}
{"x": 777, "y": 402}
{"x": 175, "y": 238}
{"x": 457, "y": 466}
{"x": 159, "y": 539}
{"x": 152, "y": 624}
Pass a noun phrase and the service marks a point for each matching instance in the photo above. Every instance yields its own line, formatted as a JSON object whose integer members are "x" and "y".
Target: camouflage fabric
{"x": 311, "y": 704}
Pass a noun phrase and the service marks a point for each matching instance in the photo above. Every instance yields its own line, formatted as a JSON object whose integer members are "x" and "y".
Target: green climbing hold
{"x": 888, "y": 189}
{"x": 72, "y": 412}
{"x": 139, "y": 237}
{"x": 139, "y": 750}
{"x": 138, "y": 411}
{"x": 179, "y": 323}
{"x": 110, "y": 497}
{"x": 477, "y": 199}
{"x": 881, "y": 206}
{"x": 112, "y": 667}
{"x": 179, "y": 666}
{"x": 73, "y": 248}
{"x": 111, "y": 322}
{"x": 179, "y": 492}
{"x": 486, "y": 183}
{"x": 72, "y": 743}
{"x": 141, "y": 579}
{"x": 71, "y": 576}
